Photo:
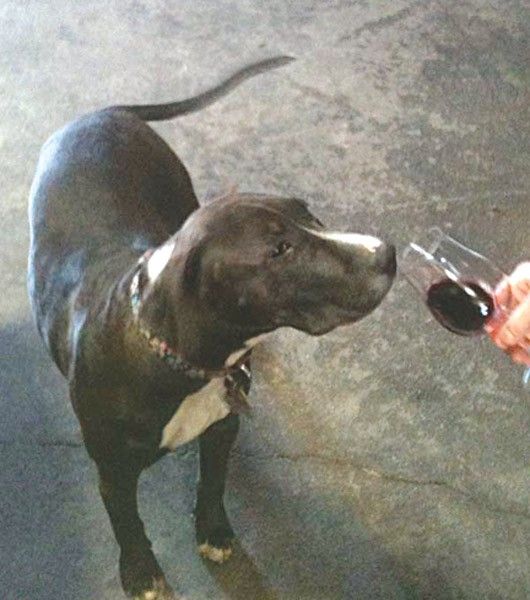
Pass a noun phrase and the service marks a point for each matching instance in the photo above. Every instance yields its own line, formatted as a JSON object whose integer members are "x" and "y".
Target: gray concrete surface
{"x": 385, "y": 460}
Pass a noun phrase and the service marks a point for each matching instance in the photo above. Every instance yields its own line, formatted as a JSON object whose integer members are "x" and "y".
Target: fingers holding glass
{"x": 516, "y": 330}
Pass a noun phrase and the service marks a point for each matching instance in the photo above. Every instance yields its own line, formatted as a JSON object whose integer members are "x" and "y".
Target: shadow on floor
{"x": 308, "y": 540}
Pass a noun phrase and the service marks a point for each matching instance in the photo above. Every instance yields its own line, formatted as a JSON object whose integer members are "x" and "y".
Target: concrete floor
{"x": 385, "y": 460}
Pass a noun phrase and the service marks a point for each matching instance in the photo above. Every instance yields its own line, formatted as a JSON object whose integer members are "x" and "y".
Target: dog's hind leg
{"x": 140, "y": 573}
{"x": 213, "y": 531}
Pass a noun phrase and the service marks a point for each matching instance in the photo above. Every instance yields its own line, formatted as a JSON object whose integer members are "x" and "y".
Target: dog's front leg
{"x": 214, "y": 533}
{"x": 140, "y": 573}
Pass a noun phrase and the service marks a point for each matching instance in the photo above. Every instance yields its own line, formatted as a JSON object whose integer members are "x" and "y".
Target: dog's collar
{"x": 164, "y": 351}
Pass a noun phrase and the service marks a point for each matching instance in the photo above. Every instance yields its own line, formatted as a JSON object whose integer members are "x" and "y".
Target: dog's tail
{"x": 160, "y": 112}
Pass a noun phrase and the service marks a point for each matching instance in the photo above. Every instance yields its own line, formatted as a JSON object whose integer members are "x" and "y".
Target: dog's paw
{"x": 214, "y": 539}
{"x": 217, "y": 555}
{"x": 142, "y": 577}
{"x": 159, "y": 591}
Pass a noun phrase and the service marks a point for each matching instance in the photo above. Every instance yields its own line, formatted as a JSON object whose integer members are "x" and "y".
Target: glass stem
{"x": 526, "y": 379}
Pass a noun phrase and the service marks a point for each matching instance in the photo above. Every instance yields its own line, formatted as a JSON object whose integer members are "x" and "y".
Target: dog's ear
{"x": 192, "y": 267}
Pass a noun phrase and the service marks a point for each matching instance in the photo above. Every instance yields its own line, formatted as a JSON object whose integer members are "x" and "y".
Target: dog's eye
{"x": 281, "y": 249}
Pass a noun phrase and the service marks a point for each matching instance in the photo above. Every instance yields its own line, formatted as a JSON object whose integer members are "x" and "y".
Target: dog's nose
{"x": 386, "y": 259}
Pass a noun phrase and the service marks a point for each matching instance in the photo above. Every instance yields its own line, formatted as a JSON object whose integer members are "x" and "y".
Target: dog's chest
{"x": 196, "y": 413}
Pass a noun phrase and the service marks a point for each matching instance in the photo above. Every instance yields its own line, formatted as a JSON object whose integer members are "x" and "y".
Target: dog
{"x": 149, "y": 304}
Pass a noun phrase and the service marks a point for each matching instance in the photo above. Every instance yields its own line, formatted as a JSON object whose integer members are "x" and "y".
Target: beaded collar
{"x": 170, "y": 356}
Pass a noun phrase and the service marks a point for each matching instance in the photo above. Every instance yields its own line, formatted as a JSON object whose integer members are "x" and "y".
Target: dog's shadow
{"x": 33, "y": 393}
{"x": 240, "y": 578}
{"x": 38, "y": 422}
{"x": 48, "y": 525}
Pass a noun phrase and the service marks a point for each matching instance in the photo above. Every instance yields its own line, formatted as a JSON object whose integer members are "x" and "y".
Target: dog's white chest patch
{"x": 157, "y": 262}
{"x": 196, "y": 413}
{"x": 235, "y": 356}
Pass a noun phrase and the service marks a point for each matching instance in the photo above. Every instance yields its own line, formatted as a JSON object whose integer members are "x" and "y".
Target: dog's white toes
{"x": 150, "y": 595}
{"x": 156, "y": 595}
{"x": 217, "y": 555}
{"x": 159, "y": 592}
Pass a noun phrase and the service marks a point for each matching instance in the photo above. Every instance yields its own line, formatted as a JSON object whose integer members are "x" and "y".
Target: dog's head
{"x": 261, "y": 262}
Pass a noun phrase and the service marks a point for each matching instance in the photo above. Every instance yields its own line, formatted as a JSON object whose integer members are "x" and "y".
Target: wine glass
{"x": 457, "y": 284}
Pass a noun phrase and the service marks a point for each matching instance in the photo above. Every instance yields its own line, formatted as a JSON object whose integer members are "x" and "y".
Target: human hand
{"x": 513, "y": 334}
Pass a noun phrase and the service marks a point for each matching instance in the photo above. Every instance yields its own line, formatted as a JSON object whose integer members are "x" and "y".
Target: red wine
{"x": 463, "y": 308}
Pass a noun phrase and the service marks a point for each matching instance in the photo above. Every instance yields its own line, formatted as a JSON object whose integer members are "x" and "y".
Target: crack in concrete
{"x": 184, "y": 450}
{"x": 396, "y": 477}
{"x": 383, "y": 22}
{"x": 60, "y": 443}
{"x": 328, "y": 460}
{"x": 495, "y": 196}
{"x": 44, "y": 443}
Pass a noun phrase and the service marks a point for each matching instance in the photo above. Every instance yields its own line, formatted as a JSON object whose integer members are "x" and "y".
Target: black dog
{"x": 149, "y": 304}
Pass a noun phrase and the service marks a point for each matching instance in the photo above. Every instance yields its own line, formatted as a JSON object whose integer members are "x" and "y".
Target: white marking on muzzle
{"x": 367, "y": 242}
{"x": 157, "y": 262}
